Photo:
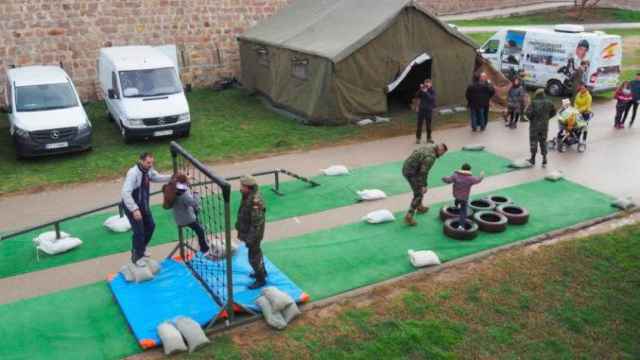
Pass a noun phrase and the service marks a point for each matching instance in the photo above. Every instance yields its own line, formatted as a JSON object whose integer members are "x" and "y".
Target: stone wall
{"x": 205, "y": 31}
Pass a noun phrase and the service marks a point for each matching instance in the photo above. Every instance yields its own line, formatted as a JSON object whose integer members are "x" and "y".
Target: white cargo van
{"x": 548, "y": 58}
{"x": 143, "y": 92}
{"x": 45, "y": 112}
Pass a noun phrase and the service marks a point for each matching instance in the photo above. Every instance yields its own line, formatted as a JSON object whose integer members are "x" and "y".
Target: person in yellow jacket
{"x": 583, "y": 104}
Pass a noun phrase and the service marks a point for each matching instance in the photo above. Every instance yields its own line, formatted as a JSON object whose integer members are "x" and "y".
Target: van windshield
{"x": 151, "y": 82}
{"x": 45, "y": 97}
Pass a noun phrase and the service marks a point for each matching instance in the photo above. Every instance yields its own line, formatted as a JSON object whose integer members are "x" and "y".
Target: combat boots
{"x": 408, "y": 219}
{"x": 544, "y": 160}
{"x": 532, "y": 160}
{"x": 422, "y": 209}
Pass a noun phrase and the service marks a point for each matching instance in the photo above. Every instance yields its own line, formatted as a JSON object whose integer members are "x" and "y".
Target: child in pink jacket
{"x": 462, "y": 181}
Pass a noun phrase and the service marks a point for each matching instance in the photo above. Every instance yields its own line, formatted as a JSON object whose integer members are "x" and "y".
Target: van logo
{"x": 55, "y": 134}
{"x": 161, "y": 121}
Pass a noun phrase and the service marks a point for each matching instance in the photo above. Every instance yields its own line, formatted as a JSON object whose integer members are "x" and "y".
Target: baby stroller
{"x": 573, "y": 127}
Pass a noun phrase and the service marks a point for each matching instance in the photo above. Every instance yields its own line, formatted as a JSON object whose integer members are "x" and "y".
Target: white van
{"x": 548, "y": 58}
{"x": 143, "y": 92}
{"x": 45, "y": 112}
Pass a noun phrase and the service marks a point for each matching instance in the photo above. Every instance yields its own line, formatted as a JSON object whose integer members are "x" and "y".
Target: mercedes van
{"x": 45, "y": 112}
{"x": 548, "y": 58}
{"x": 143, "y": 92}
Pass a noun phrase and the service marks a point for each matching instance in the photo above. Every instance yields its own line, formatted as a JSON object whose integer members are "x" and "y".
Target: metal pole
{"x": 227, "y": 241}
{"x": 57, "y": 227}
{"x": 181, "y": 244}
{"x": 277, "y": 175}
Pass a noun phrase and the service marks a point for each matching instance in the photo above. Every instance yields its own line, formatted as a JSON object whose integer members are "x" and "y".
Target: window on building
{"x": 300, "y": 68}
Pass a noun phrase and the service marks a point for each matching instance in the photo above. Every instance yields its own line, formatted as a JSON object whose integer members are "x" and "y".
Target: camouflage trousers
{"x": 416, "y": 187}
{"x": 256, "y": 260}
{"x": 538, "y": 139}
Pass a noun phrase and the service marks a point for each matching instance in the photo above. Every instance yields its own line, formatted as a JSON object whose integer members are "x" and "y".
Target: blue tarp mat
{"x": 242, "y": 296}
{"x": 173, "y": 292}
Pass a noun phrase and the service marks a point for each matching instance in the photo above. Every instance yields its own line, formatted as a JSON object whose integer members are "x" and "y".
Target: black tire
{"x": 125, "y": 137}
{"x": 491, "y": 221}
{"x": 499, "y": 199}
{"x": 481, "y": 205}
{"x": 470, "y": 231}
{"x": 451, "y": 212}
{"x": 555, "y": 88}
{"x": 516, "y": 215}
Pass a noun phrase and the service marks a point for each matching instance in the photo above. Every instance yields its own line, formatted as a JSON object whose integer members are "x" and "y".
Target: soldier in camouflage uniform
{"x": 416, "y": 171}
{"x": 250, "y": 227}
{"x": 539, "y": 112}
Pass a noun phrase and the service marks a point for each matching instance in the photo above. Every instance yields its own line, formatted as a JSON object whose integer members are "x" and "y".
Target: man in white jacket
{"x": 135, "y": 200}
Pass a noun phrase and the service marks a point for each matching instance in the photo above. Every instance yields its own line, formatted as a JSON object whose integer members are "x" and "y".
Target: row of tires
{"x": 491, "y": 214}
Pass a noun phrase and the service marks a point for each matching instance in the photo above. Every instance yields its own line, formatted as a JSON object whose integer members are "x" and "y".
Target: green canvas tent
{"x": 332, "y": 61}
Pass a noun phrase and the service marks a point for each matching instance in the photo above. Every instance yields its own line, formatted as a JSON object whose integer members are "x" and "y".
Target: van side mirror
{"x": 111, "y": 94}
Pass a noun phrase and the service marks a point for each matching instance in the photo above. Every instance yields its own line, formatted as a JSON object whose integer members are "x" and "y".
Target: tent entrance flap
{"x": 417, "y": 61}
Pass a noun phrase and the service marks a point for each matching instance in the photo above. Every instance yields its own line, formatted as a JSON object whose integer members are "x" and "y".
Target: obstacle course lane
{"x": 330, "y": 262}
{"x": 17, "y": 255}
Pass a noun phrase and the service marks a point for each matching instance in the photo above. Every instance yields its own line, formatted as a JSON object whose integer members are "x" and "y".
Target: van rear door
{"x": 606, "y": 64}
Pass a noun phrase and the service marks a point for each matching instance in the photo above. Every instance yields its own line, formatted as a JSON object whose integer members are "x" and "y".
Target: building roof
{"x": 332, "y": 29}
{"x": 137, "y": 57}
{"x": 37, "y": 75}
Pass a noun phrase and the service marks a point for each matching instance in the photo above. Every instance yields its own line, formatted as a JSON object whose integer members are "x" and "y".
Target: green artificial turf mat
{"x": 333, "y": 261}
{"x": 81, "y": 323}
{"x": 17, "y": 255}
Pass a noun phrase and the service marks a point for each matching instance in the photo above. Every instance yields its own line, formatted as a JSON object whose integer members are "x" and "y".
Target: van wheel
{"x": 125, "y": 137}
{"x": 555, "y": 88}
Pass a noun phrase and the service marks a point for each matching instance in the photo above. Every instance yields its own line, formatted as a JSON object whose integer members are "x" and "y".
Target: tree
{"x": 582, "y": 6}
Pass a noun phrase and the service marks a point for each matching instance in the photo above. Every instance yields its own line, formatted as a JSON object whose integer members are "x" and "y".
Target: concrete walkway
{"x": 609, "y": 165}
{"x": 496, "y": 13}
{"x": 587, "y": 27}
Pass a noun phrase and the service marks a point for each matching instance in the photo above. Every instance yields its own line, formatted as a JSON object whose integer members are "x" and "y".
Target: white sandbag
{"x": 336, "y": 170}
{"x": 364, "y": 122}
{"x": 460, "y": 108}
{"x": 138, "y": 274}
{"x": 274, "y": 319}
{"x": 278, "y": 299}
{"x": 153, "y": 265}
{"x": 473, "y": 147}
{"x": 379, "y": 217}
{"x": 520, "y": 164}
{"x": 371, "y": 194}
{"x": 624, "y": 203}
{"x": 445, "y": 112}
{"x": 423, "y": 258}
{"x": 171, "y": 338}
{"x": 192, "y": 332}
{"x": 49, "y": 236}
{"x": 59, "y": 246}
{"x": 554, "y": 175}
{"x": 290, "y": 312}
{"x": 117, "y": 224}
{"x": 218, "y": 249}
{"x": 380, "y": 119}
{"x": 127, "y": 273}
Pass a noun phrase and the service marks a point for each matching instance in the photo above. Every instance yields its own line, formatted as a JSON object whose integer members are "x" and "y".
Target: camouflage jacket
{"x": 539, "y": 113}
{"x": 251, "y": 218}
{"x": 417, "y": 165}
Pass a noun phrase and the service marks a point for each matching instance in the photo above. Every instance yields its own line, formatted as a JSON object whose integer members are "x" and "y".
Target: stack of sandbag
{"x": 118, "y": 224}
{"x": 174, "y": 334}
{"x": 278, "y": 308}
{"x": 336, "y": 170}
{"x": 48, "y": 243}
{"x": 134, "y": 273}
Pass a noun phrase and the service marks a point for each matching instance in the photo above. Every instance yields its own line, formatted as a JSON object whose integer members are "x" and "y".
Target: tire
{"x": 499, "y": 199}
{"x": 582, "y": 148}
{"x": 555, "y": 88}
{"x": 450, "y": 229}
{"x": 491, "y": 221}
{"x": 516, "y": 215}
{"x": 125, "y": 137}
{"x": 451, "y": 212}
{"x": 482, "y": 205}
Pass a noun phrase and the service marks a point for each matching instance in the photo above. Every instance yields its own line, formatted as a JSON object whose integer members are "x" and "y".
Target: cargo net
{"x": 202, "y": 246}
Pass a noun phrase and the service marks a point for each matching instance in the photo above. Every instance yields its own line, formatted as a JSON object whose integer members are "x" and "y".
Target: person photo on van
{"x": 582, "y": 51}
{"x": 623, "y": 97}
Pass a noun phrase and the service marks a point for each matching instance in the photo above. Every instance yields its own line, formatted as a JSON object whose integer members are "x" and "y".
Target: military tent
{"x": 332, "y": 61}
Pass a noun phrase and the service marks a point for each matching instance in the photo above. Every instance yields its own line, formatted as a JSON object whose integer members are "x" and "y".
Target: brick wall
{"x": 205, "y": 31}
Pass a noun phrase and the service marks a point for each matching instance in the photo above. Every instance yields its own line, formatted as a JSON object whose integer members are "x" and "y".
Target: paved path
{"x": 588, "y": 27}
{"x": 609, "y": 165}
{"x": 506, "y": 11}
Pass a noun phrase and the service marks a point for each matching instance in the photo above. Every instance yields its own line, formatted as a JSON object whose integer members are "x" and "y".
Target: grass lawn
{"x": 575, "y": 299}
{"x": 558, "y": 16}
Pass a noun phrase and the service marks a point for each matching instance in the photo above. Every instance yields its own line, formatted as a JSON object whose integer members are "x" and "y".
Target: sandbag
{"x": 371, "y": 194}
{"x": 520, "y": 164}
{"x": 365, "y": 122}
{"x": 171, "y": 338}
{"x": 379, "y": 217}
{"x": 624, "y": 203}
{"x": 274, "y": 319}
{"x": 423, "y": 258}
{"x": 192, "y": 332}
{"x": 138, "y": 274}
{"x": 554, "y": 176}
{"x": 59, "y": 246}
{"x": 153, "y": 265}
{"x": 218, "y": 250}
{"x": 49, "y": 236}
{"x": 336, "y": 170}
{"x": 117, "y": 224}
{"x": 290, "y": 312}
{"x": 278, "y": 299}
{"x": 127, "y": 273}
{"x": 473, "y": 147}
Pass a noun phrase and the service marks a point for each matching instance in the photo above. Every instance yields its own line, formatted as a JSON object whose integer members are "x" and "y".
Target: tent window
{"x": 300, "y": 68}
{"x": 263, "y": 55}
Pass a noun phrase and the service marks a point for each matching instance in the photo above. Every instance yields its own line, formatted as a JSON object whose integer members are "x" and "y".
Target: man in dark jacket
{"x": 577, "y": 79}
{"x": 250, "y": 227}
{"x": 635, "y": 92}
{"x": 479, "y": 95}
{"x": 539, "y": 112}
{"x": 427, "y": 97}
